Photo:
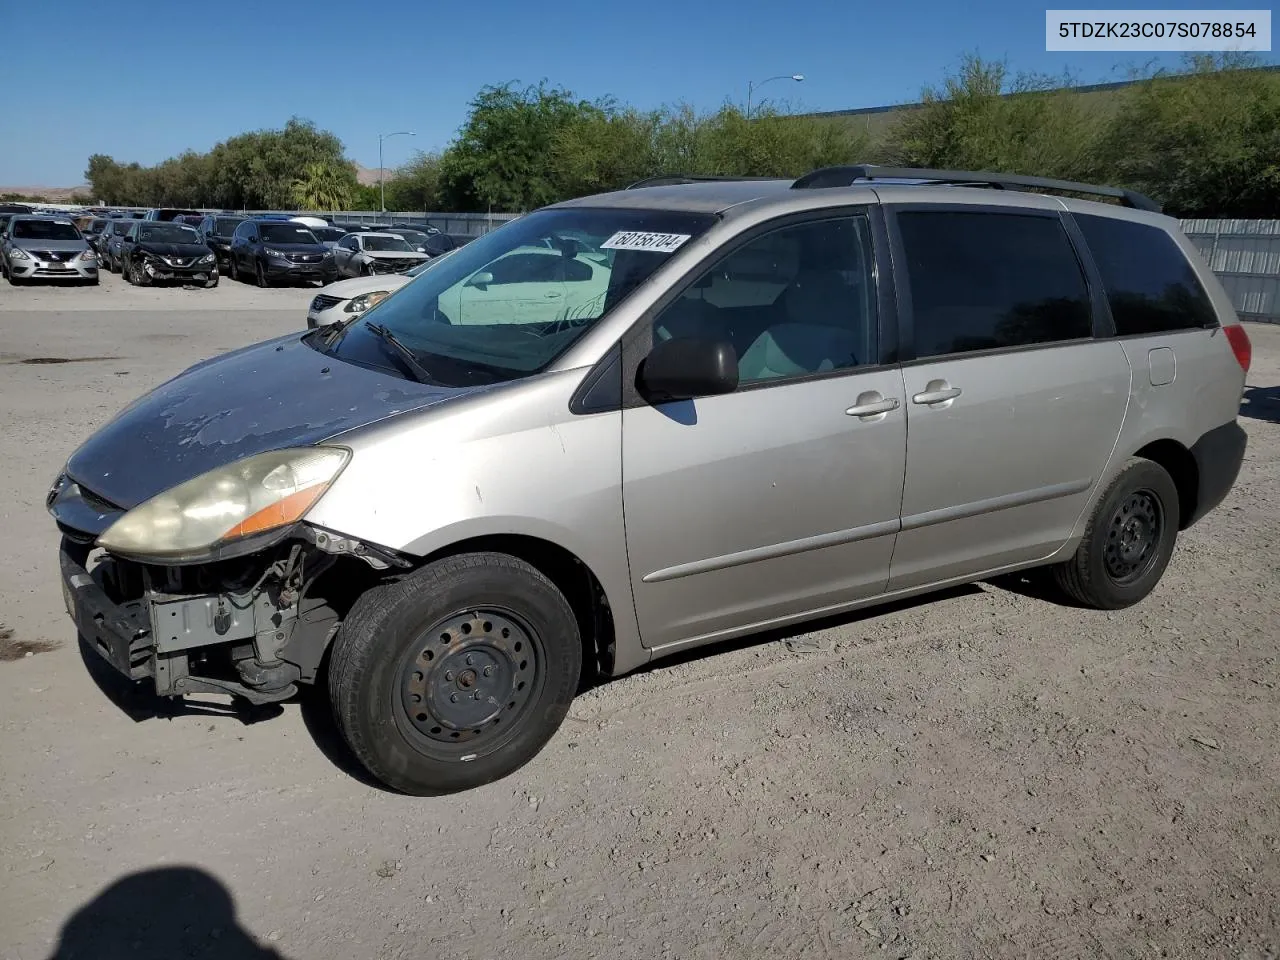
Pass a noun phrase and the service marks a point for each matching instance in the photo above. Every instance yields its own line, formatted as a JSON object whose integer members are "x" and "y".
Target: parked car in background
{"x": 158, "y": 250}
{"x": 92, "y": 230}
{"x": 217, "y": 230}
{"x": 4, "y": 221}
{"x": 329, "y": 236}
{"x": 111, "y": 240}
{"x": 270, "y": 251}
{"x": 189, "y": 219}
{"x": 169, "y": 213}
{"x": 347, "y": 299}
{"x": 312, "y": 222}
{"x": 415, "y": 237}
{"x": 46, "y": 248}
{"x": 367, "y": 254}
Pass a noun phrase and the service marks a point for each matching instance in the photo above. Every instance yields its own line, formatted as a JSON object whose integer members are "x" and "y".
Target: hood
{"x": 346, "y": 289}
{"x": 395, "y": 255}
{"x": 276, "y": 394}
{"x": 294, "y": 247}
{"x": 183, "y": 250}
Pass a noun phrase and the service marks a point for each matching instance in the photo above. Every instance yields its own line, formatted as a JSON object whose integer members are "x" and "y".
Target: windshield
{"x": 97, "y": 226}
{"x": 285, "y": 233}
{"x": 121, "y": 227}
{"x": 226, "y": 226}
{"x": 167, "y": 233}
{"x": 507, "y": 304}
{"x": 45, "y": 230}
{"x": 413, "y": 237}
{"x": 386, "y": 243}
{"x": 328, "y": 233}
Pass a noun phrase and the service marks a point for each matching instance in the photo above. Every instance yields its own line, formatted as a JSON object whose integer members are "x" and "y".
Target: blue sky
{"x": 190, "y": 73}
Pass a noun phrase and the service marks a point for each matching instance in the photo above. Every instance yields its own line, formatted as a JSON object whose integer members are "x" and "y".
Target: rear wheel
{"x": 1128, "y": 541}
{"x": 457, "y": 675}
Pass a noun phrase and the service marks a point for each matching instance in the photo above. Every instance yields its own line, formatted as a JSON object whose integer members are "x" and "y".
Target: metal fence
{"x": 458, "y": 224}
{"x": 1245, "y": 255}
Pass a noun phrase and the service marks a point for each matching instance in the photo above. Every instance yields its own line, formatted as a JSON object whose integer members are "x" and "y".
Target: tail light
{"x": 1240, "y": 345}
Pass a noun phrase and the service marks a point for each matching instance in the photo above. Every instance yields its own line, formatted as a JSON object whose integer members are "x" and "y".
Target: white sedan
{"x": 347, "y": 299}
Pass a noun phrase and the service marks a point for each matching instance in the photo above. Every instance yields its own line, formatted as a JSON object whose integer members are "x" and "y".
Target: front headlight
{"x": 254, "y": 495}
{"x": 88, "y": 255}
{"x": 208, "y": 258}
{"x": 274, "y": 253}
{"x": 17, "y": 253}
{"x": 366, "y": 300}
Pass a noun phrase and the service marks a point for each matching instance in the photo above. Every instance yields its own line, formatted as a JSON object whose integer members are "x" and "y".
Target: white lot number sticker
{"x": 639, "y": 240}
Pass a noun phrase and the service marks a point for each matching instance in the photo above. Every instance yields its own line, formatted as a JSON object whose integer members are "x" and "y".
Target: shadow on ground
{"x": 159, "y": 914}
{"x": 1261, "y": 403}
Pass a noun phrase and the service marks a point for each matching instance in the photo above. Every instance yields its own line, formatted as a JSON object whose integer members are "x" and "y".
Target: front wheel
{"x": 1128, "y": 541}
{"x": 235, "y": 270}
{"x": 211, "y": 282}
{"x": 456, "y": 675}
{"x": 261, "y": 276}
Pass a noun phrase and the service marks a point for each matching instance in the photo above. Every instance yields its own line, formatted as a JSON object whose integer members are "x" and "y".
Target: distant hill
{"x": 366, "y": 177}
{"x": 50, "y": 194}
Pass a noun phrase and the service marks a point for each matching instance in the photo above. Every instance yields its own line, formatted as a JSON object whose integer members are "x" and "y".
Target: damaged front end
{"x": 253, "y": 624}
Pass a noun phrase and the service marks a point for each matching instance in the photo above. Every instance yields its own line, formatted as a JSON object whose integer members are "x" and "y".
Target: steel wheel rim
{"x": 1133, "y": 537}
{"x": 465, "y": 683}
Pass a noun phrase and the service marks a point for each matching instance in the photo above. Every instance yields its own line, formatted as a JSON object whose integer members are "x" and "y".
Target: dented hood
{"x": 277, "y": 394}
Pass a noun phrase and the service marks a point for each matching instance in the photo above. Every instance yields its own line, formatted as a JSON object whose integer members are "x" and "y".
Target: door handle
{"x": 553, "y": 295}
{"x": 872, "y": 405}
{"x": 935, "y": 392}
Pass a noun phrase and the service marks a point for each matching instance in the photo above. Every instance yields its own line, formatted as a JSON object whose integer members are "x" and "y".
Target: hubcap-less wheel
{"x": 470, "y": 678}
{"x": 1133, "y": 537}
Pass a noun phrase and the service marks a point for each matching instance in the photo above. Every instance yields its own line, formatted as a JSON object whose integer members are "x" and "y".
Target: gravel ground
{"x": 982, "y": 773}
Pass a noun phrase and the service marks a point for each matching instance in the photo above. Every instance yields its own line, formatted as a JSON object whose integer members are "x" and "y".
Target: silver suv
{"x": 641, "y": 422}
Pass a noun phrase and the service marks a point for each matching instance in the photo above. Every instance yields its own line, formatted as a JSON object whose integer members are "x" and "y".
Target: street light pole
{"x": 382, "y": 191}
{"x": 752, "y": 86}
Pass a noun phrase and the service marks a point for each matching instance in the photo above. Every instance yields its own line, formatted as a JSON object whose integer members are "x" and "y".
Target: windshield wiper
{"x": 407, "y": 356}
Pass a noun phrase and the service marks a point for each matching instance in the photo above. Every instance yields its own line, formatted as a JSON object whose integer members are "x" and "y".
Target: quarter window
{"x": 1150, "y": 285}
{"x": 793, "y": 302}
{"x": 986, "y": 281}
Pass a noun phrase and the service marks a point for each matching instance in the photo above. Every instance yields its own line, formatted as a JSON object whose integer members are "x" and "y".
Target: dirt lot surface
{"x": 979, "y": 774}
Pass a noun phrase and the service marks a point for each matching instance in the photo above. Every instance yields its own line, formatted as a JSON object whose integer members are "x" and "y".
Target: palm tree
{"x": 323, "y": 186}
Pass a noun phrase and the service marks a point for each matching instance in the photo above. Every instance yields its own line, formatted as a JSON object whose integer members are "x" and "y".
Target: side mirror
{"x": 686, "y": 367}
{"x": 481, "y": 280}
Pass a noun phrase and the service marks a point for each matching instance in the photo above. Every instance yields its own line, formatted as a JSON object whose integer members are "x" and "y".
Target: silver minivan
{"x": 637, "y": 423}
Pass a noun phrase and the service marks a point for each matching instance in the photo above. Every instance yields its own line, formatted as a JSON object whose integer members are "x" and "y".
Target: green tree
{"x": 981, "y": 118}
{"x": 1205, "y": 143}
{"x": 414, "y": 186}
{"x": 324, "y": 186}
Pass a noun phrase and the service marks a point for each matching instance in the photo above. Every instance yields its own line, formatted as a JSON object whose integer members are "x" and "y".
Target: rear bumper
{"x": 1218, "y": 455}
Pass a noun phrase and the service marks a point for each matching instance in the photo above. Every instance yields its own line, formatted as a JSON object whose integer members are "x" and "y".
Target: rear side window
{"x": 1150, "y": 285}
{"x": 985, "y": 281}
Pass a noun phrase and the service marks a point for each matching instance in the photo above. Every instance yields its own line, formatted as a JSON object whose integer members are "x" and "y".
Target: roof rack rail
{"x": 846, "y": 175}
{"x": 671, "y": 179}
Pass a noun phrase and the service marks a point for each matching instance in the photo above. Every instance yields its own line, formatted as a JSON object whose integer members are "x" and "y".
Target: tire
{"x": 436, "y": 632}
{"x": 211, "y": 282}
{"x": 260, "y": 275}
{"x": 1128, "y": 541}
{"x": 235, "y": 270}
{"x": 137, "y": 275}
{"x": 124, "y": 272}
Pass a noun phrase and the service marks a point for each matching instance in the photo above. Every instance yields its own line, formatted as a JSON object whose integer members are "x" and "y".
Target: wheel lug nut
{"x": 453, "y": 698}
{"x": 477, "y": 694}
{"x": 488, "y": 671}
{"x": 468, "y": 659}
{"x": 448, "y": 675}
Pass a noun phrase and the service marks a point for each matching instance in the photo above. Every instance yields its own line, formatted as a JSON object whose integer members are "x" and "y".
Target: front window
{"x": 167, "y": 233}
{"x": 396, "y": 244}
{"x": 509, "y": 303}
{"x": 328, "y": 234}
{"x": 45, "y": 230}
{"x": 225, "y": 227}
{"x": 286, "y": 233}
{"x": 413, "y": 237}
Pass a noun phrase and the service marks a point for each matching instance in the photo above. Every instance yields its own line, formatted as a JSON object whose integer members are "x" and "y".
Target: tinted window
{"x": 1150, "y": 285}
{"x": 286, "y": 233}
{"x": 981, "y": 281}
{"x": 44, "y": 230}
{"x": 793, "y": 302}
{"x": 388, "y": 243}
{"x": 167, "y": 233}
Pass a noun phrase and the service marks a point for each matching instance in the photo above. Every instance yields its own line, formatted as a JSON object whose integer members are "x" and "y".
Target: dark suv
{"x": 269, "y": 251}
{"x": 217, "y": 231}
{"x": 169, "y": 213}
